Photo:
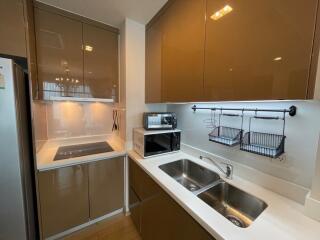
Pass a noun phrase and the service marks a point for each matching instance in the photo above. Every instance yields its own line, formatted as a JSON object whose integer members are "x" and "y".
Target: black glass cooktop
{"x": 82, "y": 150}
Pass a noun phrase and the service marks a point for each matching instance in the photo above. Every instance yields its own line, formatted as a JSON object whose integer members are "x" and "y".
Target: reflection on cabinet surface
{"x": 12, "y": 28}
{"x": 63, "y": 198}
{"x": 59, "y": 54}
{"x": 106, "y": 186}
{"x": 217, "y": 50}
{"x": 77, "y": 57}
{"x": 156, "y": 214}
{"x": 183, "y": 51}
{"x": 259, "y": 50}
{"x": 101, "y": 62}
{"x": 174, "y": 59}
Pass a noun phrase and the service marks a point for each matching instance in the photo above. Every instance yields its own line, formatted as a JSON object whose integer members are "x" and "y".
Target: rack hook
{"x": 292, "y": 111}
{"x": 194, "y": 108}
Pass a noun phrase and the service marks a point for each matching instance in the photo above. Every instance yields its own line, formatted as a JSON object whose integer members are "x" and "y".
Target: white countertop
{"x": 282, "y": 219}
{"x": 47, "y": 153}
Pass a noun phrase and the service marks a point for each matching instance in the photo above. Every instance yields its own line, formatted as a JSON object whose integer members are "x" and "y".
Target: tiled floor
{"x": 119, "y": 227}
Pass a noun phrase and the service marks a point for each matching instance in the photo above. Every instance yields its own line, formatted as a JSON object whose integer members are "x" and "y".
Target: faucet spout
{"x": 228, "y": 172}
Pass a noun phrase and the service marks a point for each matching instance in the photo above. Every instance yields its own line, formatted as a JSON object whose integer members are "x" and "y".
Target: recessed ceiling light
{"x": 88, "y": 48}
{"x": 222, "y": 12}
{"x": 277, "y": 59}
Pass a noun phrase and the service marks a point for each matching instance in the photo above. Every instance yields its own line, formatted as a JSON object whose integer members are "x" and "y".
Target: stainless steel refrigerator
{"x": 17, "y": 198}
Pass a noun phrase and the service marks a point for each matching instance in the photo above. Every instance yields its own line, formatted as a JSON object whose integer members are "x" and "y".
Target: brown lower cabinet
{"x": 155, "y": 214}
{"x": 63, "y": 198}
{"x": 106, "y": 183}
{"x": 71, "y": 196}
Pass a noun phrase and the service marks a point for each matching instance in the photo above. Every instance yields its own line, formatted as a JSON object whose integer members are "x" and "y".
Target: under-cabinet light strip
{"x": 79, "y": 99}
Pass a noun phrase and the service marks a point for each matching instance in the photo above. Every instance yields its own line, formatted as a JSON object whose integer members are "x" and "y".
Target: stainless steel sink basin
{"x": 189, "y": 174}
{"x": 237, "y": 206}
{"x": 234, "y": 204}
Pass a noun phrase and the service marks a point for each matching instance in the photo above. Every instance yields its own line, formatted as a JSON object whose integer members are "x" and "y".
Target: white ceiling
{"x": 112, "y": 12}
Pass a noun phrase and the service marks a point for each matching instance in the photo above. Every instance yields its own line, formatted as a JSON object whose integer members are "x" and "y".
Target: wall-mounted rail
{"x": 292, "y": 110}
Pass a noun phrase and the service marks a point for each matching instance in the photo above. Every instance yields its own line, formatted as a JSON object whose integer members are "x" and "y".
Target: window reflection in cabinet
{"x": 59, "y": 54}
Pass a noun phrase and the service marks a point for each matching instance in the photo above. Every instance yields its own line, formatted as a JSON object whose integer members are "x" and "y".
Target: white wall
{"x": 133, "y": 76}
{"x": 315, "y": 190}
{"x": 302, "y": 133}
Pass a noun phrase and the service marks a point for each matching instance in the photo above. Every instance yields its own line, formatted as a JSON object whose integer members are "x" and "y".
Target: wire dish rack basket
{"x": 265, "y": 144}
{"x": 227, "y": 135}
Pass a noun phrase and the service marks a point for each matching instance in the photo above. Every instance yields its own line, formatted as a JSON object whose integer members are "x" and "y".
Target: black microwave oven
{"x": 151, "y": 143}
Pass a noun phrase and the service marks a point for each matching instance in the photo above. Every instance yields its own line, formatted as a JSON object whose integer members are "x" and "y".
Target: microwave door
{"x": 166, "y": 121}
{"x": 158, "y": 143}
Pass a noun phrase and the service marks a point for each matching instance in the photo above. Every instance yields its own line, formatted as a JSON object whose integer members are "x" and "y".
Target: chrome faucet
{"x": 229, "y": 168}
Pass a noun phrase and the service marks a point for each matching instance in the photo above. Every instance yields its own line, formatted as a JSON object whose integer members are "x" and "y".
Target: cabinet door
{"x": 106, "y": 186}
{"x": 100, "y": 62}
{"x": 259, "y": 50}
{"x": 31, "y": 47}
{"x": 63, "y": 198}
{"x": 140, "y": 182}
{"x": 59, "y": 54}
{"x": 154, "y": 62}
{"x": 135, "y": 208}
{"x": 183, "y": 51}
{"x": 163, "y": 218}
{"x": 12, "y": 28}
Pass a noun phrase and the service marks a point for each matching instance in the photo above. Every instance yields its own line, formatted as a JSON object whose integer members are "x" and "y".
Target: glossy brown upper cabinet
{"x": 59, "y": 54}
{"x": 12, "y": 28}
{"x": 259, "y": 49}
{"x": 100, "y": 62}
{"x": 175, "y": 53}
{"x": 77, "y": 57}
{"x": 224, "y": 50}
{"x": 154, "y": 62}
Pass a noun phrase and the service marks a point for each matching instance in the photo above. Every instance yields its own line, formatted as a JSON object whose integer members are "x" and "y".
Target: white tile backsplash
{"x": 72, "y": 119}
{"x": 302, "y": 133}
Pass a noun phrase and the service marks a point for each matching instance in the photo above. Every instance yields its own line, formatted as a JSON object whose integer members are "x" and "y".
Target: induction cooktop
{"x": 82, "y": 150}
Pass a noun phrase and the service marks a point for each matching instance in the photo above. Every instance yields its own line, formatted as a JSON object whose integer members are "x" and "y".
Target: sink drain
{"x": 236, "y": 221}
{"x": 192, "y": 187}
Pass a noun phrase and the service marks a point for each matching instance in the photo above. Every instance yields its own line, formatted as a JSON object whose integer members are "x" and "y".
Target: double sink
{"x": 237, "y": 206}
